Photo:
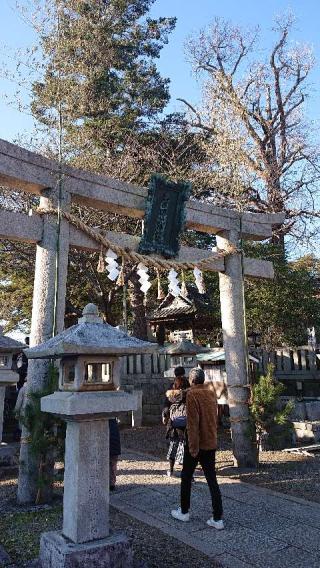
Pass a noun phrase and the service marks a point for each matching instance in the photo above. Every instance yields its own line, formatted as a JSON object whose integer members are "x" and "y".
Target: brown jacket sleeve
{"x": 193, "y": 419}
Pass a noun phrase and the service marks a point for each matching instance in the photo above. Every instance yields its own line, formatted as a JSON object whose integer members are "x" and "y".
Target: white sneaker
{"x": 177, "y": 514}
{"x": 169, "y": 473}
{"x": 219, "y": 525}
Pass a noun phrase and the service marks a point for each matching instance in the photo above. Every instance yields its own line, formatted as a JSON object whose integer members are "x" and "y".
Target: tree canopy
{"x": 99, "y": 76}
{"x": 282, "y": 309}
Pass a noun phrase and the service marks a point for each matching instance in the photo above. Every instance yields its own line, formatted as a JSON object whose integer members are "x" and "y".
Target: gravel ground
{"x": 20, "y": 534}
{"x": 288, "y": 473}
{"x": 20, "y": 527}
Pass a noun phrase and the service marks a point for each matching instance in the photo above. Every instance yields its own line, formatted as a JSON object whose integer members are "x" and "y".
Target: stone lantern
{"x": 184, "y": 354}
{"x": 89, "y": 395}
{"x": 8, "y": 347}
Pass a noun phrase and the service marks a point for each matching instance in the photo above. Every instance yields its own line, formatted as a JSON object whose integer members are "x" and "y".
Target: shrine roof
{"x": 185, "y": 347}
{"x": 182, "y": 305}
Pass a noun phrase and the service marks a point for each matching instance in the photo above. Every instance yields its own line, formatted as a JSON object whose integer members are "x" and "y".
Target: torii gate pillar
{"x": 236, "y": 352}
{"x": 50, "y": 275}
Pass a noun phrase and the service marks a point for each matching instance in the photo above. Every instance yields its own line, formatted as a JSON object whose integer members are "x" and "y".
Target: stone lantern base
{"x": 85, "y": 539}
{"x": 56, "y": 551}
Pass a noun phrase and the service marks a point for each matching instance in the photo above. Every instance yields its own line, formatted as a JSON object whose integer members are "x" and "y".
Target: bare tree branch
{"x": 262, "y": 155}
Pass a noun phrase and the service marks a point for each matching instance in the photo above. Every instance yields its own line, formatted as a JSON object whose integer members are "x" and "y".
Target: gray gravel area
{"x": 295, "y": 475}
{"x": 287, "y": 473}
{"x": 8, "y": 491}
{"x": 152, "y": 548}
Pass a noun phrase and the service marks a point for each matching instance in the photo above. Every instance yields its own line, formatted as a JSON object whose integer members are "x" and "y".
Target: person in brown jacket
{"x": 201, "y": 444}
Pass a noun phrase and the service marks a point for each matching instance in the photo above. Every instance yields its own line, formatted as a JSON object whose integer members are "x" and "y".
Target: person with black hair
{"x": 114, "y": 451}
{"x": 174, "y": 417}
{"x": 200, "y": 446}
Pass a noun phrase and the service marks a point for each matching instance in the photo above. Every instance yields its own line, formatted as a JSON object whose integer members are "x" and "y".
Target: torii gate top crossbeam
{"x": 31, "y": 172}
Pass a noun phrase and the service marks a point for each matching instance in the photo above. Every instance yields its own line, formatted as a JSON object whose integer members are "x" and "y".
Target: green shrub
{"x": 46, "y": 434}
{"x": 269, "y": 416}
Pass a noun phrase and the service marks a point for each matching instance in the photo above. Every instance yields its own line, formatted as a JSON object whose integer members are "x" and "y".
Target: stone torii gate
{"x": 21, "y": 169}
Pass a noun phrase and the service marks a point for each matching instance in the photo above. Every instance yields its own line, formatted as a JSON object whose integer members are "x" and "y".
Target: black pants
{"x": 207, "y": 461}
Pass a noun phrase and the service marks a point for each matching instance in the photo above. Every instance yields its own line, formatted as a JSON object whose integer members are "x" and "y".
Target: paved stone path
{"x": 264, "y": 529}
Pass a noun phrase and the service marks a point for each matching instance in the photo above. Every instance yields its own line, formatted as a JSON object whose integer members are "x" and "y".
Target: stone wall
{"x": 145, "y": 373}
{"x": 305, "y": 418}
{"x": 299, "y": 371}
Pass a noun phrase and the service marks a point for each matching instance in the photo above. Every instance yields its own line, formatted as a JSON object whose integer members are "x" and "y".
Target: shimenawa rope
{"x": 151, "y": 261}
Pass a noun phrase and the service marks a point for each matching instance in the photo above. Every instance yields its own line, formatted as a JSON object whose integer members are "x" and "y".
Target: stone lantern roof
{"x": 90, "y": 336}
{"x": 7, "y": 344}
{"x": 185, "y": 347}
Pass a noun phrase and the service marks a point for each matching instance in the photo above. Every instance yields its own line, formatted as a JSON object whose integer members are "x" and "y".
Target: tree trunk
{"x": 278, "y": 239}
{"x": 276, "y": 206}
{"x": 139, "y": 328}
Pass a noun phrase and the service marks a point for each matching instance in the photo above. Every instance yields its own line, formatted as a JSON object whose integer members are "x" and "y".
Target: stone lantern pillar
{"x": 8, "y": 347}
{"x": 89, "y": 396}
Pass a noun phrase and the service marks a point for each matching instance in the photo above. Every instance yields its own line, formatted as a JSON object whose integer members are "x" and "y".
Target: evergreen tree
{"x": 16, "y": 285}
{"x": 282, "y": 309}
{"x": 101, "y": 90}
{"x": 100, "y": 74}
{"x": 269, "y": 415}
{"x": 46, "y": 435}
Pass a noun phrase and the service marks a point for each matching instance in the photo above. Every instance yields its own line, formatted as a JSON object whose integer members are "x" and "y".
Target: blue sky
{"x": 195, "y": 14}
{"x": 192, "y": 15}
